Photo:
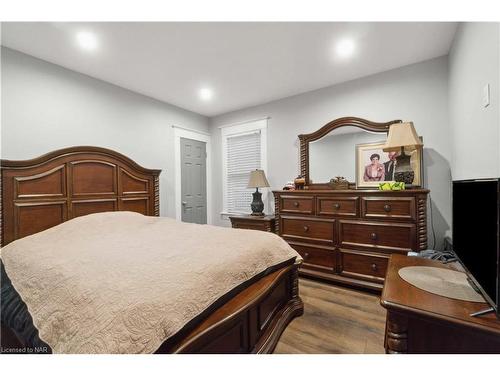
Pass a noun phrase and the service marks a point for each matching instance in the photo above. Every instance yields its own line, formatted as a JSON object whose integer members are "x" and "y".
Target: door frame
{"x": 201, "y": 136}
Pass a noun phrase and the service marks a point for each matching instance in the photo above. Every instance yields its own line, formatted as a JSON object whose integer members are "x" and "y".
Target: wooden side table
{"x": 263, "y": 223}
{"x": 422, "y": 322}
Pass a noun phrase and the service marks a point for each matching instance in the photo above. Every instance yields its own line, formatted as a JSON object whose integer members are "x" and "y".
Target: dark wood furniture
{"x": 306, "y": 139}
{"x": 263, "y": 223}
{"x": 422, "y": 322}
{"x": 43, "y": 192}
{"x": 347, "y": 236}
{"x": 40, "y": 193}
{"x": 252, "y": 322}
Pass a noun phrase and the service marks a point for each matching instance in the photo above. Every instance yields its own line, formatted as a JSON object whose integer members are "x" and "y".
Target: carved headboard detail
{"x": 40, "y": 193}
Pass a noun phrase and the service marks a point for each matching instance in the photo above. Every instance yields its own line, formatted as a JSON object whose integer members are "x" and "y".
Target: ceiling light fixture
{"x": 86, "y": 40}
{"x": 345, "y": 48}
{"x": 206, "y": 94}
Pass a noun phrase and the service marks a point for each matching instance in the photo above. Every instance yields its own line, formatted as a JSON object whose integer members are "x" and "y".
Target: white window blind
{"x": 243, "y": 155}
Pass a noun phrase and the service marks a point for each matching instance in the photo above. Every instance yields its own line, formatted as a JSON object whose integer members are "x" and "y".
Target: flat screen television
{"x": 476, "y": 237}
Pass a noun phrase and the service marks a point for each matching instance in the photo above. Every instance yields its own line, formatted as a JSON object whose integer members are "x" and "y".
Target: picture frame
{"x": 370, "y": 177}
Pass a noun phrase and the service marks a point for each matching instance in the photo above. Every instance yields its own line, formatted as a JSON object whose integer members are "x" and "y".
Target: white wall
{"x": 475, "y": 130}
{"x": 46, "y": 107}
{"x": 418, "y": 93}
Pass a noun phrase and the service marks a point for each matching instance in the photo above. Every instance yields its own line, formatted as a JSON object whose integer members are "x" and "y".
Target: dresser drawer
{"x": 361, "y": 265}
{"x": 316, "y": 256}
{"x": 377, "y": 236}
{"x": 337, "y": 206}
{"x": 308, "y": 229}
{"x": 297, "y": 204}
{"x": 389, "y": 207}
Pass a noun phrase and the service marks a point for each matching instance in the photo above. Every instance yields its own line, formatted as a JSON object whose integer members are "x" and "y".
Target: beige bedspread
{"x": 121, "y": 282}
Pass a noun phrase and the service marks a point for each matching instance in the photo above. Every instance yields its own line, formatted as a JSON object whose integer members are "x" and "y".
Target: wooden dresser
{"x": 347, "y": 236}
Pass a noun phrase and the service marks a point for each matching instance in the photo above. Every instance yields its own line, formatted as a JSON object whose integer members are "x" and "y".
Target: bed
{"x": 88, "y": 184}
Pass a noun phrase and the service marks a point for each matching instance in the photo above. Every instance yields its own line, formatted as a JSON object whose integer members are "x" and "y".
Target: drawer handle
{"x": 373, "y": 236}
{"x": 374, "y": 267}
{"x": 387, "y": 208}
{"x": 306, "y": 255}
{"x": 336, "y": 206}
{"x": 306, "y": 228}
{"x": 296, "y": 204}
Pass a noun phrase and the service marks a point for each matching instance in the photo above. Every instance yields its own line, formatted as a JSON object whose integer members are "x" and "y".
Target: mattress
{"x": 121, "y": 282}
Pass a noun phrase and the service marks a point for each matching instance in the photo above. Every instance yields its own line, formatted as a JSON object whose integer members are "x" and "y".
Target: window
{"x": 243, "y": 150}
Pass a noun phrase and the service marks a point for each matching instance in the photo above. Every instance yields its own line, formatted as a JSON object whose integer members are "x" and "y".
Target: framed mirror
{"x": 331, "y": 151}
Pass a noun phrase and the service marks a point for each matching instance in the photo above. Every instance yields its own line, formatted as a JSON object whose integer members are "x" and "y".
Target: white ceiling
{"x": 244, "y": 63}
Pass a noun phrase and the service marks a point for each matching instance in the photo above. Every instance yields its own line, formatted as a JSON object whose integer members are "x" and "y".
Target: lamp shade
{"x": 258, "y": 179}
{"x": 402, "y": 135}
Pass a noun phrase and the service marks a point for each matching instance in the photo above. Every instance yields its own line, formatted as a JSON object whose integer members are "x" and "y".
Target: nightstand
{"x": 422, "y": 322}
{"x": 264, "y": 223}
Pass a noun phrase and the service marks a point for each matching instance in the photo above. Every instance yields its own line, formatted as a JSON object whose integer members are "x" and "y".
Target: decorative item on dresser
{"x": 348, "y": 235}
{"x": 423, "y": 322}
{"x": 264, "y": 223}
{"x": 339, "y": 183}
{"x": 403, "y": 137}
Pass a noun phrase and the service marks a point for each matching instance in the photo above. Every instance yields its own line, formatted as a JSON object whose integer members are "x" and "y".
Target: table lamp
{"x": 403, "y": 137}
{"x": 257, "y": 179}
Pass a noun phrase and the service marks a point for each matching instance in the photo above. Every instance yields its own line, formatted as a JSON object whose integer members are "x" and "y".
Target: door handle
{"x": 184, "y": 203}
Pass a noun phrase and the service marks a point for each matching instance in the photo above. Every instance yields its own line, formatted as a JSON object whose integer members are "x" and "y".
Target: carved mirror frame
{"x": 305, "y": 139}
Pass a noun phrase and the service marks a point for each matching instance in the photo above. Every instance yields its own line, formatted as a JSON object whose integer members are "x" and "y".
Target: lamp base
{"x": 257, "y": 204}
{"x": 406, "y": 177}
{"x": 404, "y": 172}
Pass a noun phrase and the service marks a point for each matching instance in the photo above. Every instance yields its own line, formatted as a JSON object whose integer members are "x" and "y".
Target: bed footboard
{"x": 251, "y": 322}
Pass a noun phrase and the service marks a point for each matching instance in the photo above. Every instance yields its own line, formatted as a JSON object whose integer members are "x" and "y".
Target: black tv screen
{"x": 476, "y": 215}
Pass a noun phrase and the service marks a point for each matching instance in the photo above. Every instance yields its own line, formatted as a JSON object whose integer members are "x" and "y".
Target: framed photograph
{"x": 374, "y": 166}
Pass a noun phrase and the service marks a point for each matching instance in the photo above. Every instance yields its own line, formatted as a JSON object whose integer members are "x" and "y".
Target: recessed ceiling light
{"x": 86, "y": 40}
{"x": 206, "y": 94}
{"x": 345, "y": 47}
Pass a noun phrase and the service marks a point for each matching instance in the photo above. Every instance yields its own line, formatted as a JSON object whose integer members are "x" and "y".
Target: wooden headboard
{"x": 40, "y": 193}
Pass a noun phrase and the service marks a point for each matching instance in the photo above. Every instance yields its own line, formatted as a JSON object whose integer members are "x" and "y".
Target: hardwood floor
{"x": 335, "y": 320}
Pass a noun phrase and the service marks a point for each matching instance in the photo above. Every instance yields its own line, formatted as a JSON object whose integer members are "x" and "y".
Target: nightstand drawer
{"x": 308, "y": 229}
{"x": 389, "y": 207}
{"x": 297, "y": 204}
{"x": 338, "y": 206}
{"x": 262, "y": 223}
{"x": 361, "y": 265}
{"x": 377, "y": 236}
